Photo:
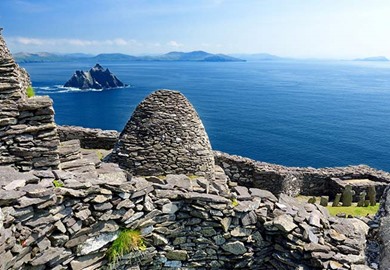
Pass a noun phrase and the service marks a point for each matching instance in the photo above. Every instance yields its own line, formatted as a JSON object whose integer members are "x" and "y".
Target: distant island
{"x": 373, "y": 59}
{"x": 195, "y": 56}
{"x": 96, "y": 78}
{"x": 259, "y": 57}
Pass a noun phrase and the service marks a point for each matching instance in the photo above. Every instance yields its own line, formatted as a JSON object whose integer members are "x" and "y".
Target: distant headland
{"x": 373, "y": 59}
{"x": 194, "y": 56}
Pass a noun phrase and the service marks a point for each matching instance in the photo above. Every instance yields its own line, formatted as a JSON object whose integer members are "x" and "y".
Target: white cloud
{"x": 29, "y": 41}
{"x": 174, "y": 43}
{"x": 71, "y": 42}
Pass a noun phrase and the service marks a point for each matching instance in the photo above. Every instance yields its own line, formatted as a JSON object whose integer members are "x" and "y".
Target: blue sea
{"x": 294, "y": 113}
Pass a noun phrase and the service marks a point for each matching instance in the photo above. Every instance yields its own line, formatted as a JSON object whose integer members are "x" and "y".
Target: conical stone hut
{"x": 164, "y": 136}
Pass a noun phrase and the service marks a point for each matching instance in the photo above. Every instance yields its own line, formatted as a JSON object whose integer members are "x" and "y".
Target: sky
{"x": 342, "y": 29}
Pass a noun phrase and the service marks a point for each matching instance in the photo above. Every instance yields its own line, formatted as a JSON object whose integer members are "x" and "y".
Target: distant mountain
{"x": 114, "y": 57}
{"x": 24, "y": 57}
{"x": 258, "y": 57}
{"x": 373, "y": 59}
{"x": 197, "y": 56}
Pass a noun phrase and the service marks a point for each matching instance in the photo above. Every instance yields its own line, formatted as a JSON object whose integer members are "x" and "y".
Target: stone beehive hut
{"x": 28, "y": 136}
{"x": 163, "y": 136}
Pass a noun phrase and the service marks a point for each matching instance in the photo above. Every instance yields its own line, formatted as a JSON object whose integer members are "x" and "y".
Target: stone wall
{"x": 90, "y": 138}
{"x": 184, "y": 227}
{"x": 383, "y": 231}
{"x": 275, "y": 178}
{"x": 28, "y": 136}
{"x": 163, "y": 136}
{"x": 292, "y": 180}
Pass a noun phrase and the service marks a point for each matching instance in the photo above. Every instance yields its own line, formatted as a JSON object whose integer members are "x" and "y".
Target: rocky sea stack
{"x": 96, "y": 78}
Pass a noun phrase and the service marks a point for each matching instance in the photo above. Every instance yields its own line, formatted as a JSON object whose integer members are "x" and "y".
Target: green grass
{"x": 234, "y": 202}
{"x": 192, "y": 176}
{"x": 99, "y": 155}
{"x": 353, "y": 210}
{"x": 127, "y": 241}
{"x": 348, "y": 210}
{"x": 58, "y": 183}
{"x": 30, "y": 92}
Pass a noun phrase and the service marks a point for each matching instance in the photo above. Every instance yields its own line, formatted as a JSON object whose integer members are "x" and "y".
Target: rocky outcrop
{"x": 164, "y": 136}
{"x": 28, "y": 136}
{"x": 96, "y": 78}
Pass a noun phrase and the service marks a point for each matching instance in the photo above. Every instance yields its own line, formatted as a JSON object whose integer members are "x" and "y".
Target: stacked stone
{"x": 164, "y": 136}
{"x": 294, "y": 180}
{"x": 71, "y": 227}
{"x": 28, "y": 136}
{"x": 13, "y": 79}
{"x": 380, "y": 233}
{"x": 90, "y": 138}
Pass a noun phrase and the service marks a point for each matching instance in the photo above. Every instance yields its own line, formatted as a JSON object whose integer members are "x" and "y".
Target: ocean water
{"x": 294, "y": 113}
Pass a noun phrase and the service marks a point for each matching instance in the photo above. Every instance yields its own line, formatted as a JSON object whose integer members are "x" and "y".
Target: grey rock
{"x": 225, "y": 222}
{"x": 170, "y": 208}
{"x": 177, "y": 255}
{"x": 93, "y": 244}
{"x": 83, "y": 262}
{"x": 47, "y": 256}
{"x": 263, "y": 194}
{"x": 158, "y": 240}
{"x": 205, "y": 197}
{"x": 247, "y": 206}
{"x": 284, "y": 222}
{"x": 236, "y": 247}
{"x": 7, "y": 196}
{"x": 15, "y": 184}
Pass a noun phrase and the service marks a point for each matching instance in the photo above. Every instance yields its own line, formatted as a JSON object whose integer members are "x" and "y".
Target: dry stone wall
{"x": 382, "y": 231}
{"x": 90, "y": 138}
{"x": 164, "y": 136}
{"x": 184, "y": 227}
{"x": 293, "y": 180}
{"x": 28, "y": 136}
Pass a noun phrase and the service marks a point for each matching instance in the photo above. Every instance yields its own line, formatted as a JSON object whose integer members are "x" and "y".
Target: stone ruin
{"x": 28, "y": 136}
{"x": 200, "y": 222}
{"x": 164, "y": 136}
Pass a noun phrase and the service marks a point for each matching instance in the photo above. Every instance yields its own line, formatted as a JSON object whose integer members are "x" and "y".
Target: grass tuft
{"x": 30, "y": 91}
{"x": 58, "y": 183}
{"x": 234, "y": 202}
{"x": 128, "y": 240}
